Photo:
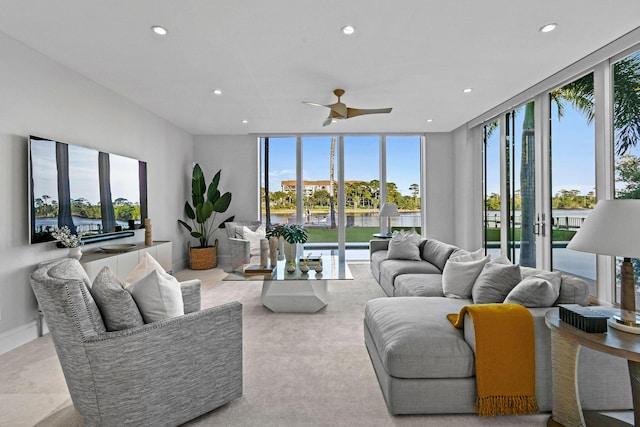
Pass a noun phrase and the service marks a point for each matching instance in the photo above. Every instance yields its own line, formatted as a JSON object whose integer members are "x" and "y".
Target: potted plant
{"x": 207, "y": 203}
{"x": 289, "y": 235}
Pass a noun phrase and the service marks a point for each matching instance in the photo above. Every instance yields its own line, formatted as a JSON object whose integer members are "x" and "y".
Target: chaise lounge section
{"x": 426, "y": 366}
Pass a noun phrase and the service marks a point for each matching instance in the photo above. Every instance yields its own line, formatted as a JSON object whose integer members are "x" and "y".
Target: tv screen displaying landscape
{"x": 87, "y": 190}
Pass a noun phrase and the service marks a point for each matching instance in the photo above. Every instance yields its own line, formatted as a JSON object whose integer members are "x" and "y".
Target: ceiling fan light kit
{"x": 339, "y": 111}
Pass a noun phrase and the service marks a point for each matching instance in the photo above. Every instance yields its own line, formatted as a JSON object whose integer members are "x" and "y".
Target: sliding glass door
{"x": 573, "y": 176}
{"x": 626, "y": 123}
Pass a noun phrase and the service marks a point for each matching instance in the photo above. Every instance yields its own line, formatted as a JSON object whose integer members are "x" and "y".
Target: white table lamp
{"x": 613, "y": 228}
{"x": 389, "y": 210}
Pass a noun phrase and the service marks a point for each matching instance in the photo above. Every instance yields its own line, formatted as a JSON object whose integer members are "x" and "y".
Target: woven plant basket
{"x": 203, "y": 258}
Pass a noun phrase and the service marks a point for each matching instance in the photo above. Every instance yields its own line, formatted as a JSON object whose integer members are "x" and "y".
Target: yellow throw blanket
{"x": 505, "y": 358}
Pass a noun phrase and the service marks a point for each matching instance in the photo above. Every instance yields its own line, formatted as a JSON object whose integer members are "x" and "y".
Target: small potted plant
{"x": 66, "y": 238}
{"x": 319, "y": 266}
{"x": 291, "y": 267}
{"x": 289, "y": 236}
{"x": 304, "y": 267}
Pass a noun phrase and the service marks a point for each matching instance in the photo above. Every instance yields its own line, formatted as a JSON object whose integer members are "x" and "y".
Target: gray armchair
{"x": 239, "y": 249}
{"x": 163, "y": 373}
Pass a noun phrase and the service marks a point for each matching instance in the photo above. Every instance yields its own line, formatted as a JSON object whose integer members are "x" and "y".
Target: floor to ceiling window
{"x": 626, "y": 123}
{"x": 316, "y": 182}
{"x": 573, "y": 180}
{"x": 403, "y": 180}
{"x": 278, "y": 174}
{"x": 491, "y": 187}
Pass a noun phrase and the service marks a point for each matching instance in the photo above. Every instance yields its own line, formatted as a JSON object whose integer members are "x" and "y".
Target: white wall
{"x": 237, "y": 157}
{"x": 467, "y": 188}
{"x": 40, "y": 97}
{"x": 439, "y": 192}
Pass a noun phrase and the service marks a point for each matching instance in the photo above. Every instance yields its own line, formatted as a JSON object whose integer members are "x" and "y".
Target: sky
{"x": 362, "y": 158}
{"x": 83, "y": 171}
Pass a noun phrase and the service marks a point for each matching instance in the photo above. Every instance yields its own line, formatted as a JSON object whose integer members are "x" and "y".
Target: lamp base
{"x": 618, "y": 323}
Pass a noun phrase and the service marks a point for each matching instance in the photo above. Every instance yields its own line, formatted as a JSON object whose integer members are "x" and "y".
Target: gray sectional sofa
{"x": 426, "y": 366}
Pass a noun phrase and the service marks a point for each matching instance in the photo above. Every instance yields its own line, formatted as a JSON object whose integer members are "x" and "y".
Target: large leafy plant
{"x": 292, "y": 233}
{"x": 207, "y": 203}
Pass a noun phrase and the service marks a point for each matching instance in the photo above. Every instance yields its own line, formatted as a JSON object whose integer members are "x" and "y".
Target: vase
{"x": 290, "y": 251}
{"x": 75, "y": 252}
{"x": 319, "y": 267}
{"x": 291, "y": 268}
{"x": 304, "y": 268}
{"x": 280, "y": 247}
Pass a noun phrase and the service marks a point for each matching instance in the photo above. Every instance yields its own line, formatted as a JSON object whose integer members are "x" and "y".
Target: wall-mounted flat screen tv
{"x": 100, "y": 194}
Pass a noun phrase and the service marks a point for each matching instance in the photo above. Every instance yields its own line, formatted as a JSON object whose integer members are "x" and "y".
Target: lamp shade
{"x": 389, "y": 209}
{"x": 613, "y": 228}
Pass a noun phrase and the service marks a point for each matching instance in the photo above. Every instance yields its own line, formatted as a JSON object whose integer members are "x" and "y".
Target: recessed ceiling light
{"x": 429, "y": 120}
{"x": 467, "y": 90}
{"x": 216, "y": 92}
{"x": 161, "y": 31}
{"x": 549, "y": 27}
{"x": 245, "y": 121}
{"x": 348, "y": 29}
{"x": 334, "y": 121}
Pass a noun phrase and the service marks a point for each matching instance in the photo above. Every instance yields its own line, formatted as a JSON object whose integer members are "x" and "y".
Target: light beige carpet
{"x": 299, "y": 369}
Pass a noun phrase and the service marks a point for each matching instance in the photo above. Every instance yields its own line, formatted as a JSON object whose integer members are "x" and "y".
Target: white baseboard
{"x": 18, "y": 336}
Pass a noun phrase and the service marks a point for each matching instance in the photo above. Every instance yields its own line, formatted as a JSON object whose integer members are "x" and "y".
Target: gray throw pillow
{"x": 119, "y": 310}
{"x": 436, "y": 252}
{"x": 534, "y": 291}
{"x": 495, "y": 282}
{"x": 404, "y": 245}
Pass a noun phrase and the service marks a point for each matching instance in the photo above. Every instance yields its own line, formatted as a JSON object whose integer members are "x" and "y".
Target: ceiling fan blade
{"x": 354, "y": 112}
{"x": 315, "y": 104}
{"x": 327, "y": 121}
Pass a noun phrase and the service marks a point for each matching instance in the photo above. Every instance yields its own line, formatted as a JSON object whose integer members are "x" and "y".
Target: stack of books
{"x": 259, "y": 270}
{"x": 584, "y": 318}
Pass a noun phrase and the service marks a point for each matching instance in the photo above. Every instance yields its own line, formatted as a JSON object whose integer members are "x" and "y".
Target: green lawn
{"x": 493, "y": 235}
{"x": 353, "y": 234}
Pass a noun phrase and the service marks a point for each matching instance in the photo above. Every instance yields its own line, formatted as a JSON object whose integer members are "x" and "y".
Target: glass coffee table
{"x": 299, "y": 292}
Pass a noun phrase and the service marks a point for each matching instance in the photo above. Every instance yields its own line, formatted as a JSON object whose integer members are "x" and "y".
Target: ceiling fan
{"x": 340, "y": 111}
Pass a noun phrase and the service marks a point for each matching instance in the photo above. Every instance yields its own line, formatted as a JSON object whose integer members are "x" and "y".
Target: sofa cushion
{"x": 573, "y": 290}
{"x": 392, "y": 268}
{"x": 254, "y": 238}
{"x": 404, "y": 245}
{"x": 418, "y": 285}
{"x": 436, "y": 252}
{"x": 533, "y": 291}
{"x": 495, "y": 282}
{"x": 461, "y": 272}
{"x": 156, "y": 292}
{"x": 116, "y": 304}
{"x": 414, "y": 339}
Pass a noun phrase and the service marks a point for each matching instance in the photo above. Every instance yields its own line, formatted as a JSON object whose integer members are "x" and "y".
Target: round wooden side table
{"x": 565, "y": 343}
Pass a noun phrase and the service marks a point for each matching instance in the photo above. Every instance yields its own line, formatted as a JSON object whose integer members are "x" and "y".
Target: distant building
{"x": 309, "y": 187}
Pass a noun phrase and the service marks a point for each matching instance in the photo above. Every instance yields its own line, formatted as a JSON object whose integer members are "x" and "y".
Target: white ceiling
{"x": 416, "y": 56}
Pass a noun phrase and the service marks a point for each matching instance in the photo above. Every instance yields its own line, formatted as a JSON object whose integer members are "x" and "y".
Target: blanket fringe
{"x": 507, "y": 405}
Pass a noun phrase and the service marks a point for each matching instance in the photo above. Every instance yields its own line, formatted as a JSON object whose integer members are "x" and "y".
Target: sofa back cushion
{"x": 495, "y": 282}
{"x": 573, "y": 290}
{"x": 436, "y": 252}
{"x": 404, "y": 245}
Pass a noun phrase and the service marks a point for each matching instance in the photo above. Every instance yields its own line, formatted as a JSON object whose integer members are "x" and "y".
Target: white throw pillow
{"x": 254, "y": 238}
{"x": 404, "y": 245}
{"x": 460, "y": 273}
{"x": 157, "y": 293}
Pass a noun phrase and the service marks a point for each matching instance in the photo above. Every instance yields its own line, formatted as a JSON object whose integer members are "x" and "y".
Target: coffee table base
{"x": 294, "y": 296}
